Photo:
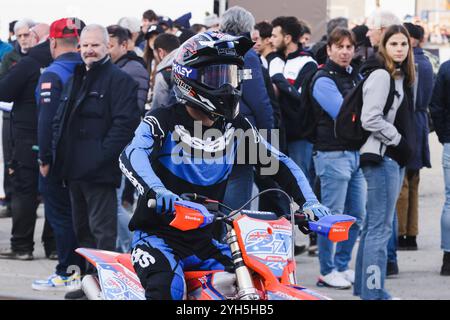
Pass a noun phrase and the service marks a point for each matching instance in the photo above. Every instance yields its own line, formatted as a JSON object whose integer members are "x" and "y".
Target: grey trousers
{"x": 94, "y": 211}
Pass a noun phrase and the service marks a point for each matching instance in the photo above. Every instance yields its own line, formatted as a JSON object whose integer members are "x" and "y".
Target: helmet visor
{"x": 215, "y": 76}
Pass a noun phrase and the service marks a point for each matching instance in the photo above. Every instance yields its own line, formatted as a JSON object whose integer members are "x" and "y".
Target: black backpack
{"x": 308, "y": 115}
{"x": 347, "y": 126}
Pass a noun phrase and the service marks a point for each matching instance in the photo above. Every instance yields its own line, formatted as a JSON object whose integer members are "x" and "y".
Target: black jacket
{"x": 440, "y": 103}
{"x": 326, "y": 139}
{"x": 18, "y": 85}
{"x": 133, "y": 65}
{"x": 299, "y": 65}
{"x": 95, "y": 120}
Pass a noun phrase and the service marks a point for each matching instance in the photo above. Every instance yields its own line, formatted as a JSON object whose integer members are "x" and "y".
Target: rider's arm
{"x": 134, "y": 159}
{"x": 270, "y": 161}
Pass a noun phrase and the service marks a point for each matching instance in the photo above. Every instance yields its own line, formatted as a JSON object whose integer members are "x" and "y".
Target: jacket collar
{"x": 298, "y": 53}
{"x": 98, "y": 64}
{"x": 331, "y": 65}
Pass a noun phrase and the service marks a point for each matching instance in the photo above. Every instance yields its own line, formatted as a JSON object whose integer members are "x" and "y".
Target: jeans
{"x": 343, "y": 191}
{"x": 58, "y": 213}
{"x": 300, "y": 151}
{"x": 393, "y": 241}
{"x": 124, "y": 235}
{"x": 383, "y": 187}
{"x": 445, "y": 218}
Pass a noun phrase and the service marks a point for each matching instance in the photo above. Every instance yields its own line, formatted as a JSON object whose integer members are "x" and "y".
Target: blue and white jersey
{"x": 169, "y": 150}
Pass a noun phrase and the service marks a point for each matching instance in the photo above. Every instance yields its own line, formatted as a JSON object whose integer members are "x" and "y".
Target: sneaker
{"x": 402, "y": 243}
{"x": 52, "y": 255}
{"x": 5, "y": 212}
{"x": 391, "y": 269}
{"x": 8, "y": 253}
{"x": 75, "y": 295}
{"x": 298, "y": 250}
{"x": 445, "y": 270}
{"x": 56, "y": 282}
{"x": 334, "y": 280}
{"x": 348, "y": 275}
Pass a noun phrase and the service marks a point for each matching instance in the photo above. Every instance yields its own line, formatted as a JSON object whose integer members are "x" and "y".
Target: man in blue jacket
{"x": 254, "y": 103}
{"x": 63, "y": 46}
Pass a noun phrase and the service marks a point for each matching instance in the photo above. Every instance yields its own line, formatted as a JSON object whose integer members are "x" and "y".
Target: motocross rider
{"x": 162, "y": 161}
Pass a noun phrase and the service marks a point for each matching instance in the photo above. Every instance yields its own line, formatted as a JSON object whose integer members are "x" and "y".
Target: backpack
{"x": 348, "y": 126}
{"x": 308, "y": 115}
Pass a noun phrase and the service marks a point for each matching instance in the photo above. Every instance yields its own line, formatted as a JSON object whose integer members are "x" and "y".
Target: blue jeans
{"x": 393, "y": 241}
{"x": 239, "y": 186}
{"x": 445, "y": 218}
{"x": 343, "y": 190}
{"x": 383, "y": 187}
{"x": 58, "y": 212}
{"x": 300, "y": 151}
{"x": 124, "y": 235}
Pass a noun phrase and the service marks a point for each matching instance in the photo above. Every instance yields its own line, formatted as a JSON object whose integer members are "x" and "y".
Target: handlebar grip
{"x": 151, "y": 203}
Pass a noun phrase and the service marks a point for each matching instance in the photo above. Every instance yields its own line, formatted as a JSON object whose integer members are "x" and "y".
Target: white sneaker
{"x": 334, "y": 280}
{"x": 55, "y": 282}
{"x": 348, "y": 275}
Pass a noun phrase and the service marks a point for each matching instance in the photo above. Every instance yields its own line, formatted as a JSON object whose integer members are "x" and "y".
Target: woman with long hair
{"x": 384, "y": 154}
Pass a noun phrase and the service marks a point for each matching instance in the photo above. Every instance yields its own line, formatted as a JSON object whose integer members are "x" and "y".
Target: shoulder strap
{"x": 391, "y": 96}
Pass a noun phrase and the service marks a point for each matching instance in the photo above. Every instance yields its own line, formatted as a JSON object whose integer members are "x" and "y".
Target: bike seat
{"x": 125, "y": 260}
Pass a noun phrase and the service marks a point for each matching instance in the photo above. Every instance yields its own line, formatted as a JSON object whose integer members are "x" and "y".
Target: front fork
{"x": 246, "y": 288}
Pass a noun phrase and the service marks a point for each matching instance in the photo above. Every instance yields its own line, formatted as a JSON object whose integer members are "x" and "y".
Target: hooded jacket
{"x": 133, "y": 65}
{"x": 162, "y": 90}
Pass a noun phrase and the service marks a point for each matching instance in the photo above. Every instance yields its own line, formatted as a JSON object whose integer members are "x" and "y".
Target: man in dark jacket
{"x": 21, "y": 47}
{"x": 408, "y": 201}
{"x": 254, "y": 103}
{"x": 289, "y": 76}
{"x": 18, "y": 86}
{"x": 440, "y": 113}
{"x": 336, "y": 162}
{"x": 94, "y": 122}
{"x": 128, "y": 61}
{"x": 63, "y": 46}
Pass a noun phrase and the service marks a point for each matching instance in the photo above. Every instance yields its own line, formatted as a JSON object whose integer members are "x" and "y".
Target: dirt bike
{"x": 262, "y": 249}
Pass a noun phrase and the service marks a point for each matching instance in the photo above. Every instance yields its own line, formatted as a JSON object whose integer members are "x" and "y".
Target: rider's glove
{"x": 315, "y": 210}
{"x": 165, "y": 200}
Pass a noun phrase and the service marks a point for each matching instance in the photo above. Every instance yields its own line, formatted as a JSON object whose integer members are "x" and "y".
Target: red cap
{"x": 63, "y": 28}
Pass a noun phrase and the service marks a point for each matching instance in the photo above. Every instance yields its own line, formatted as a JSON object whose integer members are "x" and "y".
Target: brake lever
{"x": 302, "y": 222}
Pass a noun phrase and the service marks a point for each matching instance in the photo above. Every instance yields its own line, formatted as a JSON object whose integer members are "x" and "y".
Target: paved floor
{"x": 419, "y": 271}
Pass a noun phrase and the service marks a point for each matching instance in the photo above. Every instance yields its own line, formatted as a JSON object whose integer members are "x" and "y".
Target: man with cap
{"x": 64, "y": 35}
{"x": 166, "y": 23}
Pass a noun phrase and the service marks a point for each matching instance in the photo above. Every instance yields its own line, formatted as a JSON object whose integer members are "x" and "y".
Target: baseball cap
{"x": 64, "y": 28}
{"x": 414, "y": 30}
{"x": 153, "y": 29}
{"x": 163, "y": 20}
